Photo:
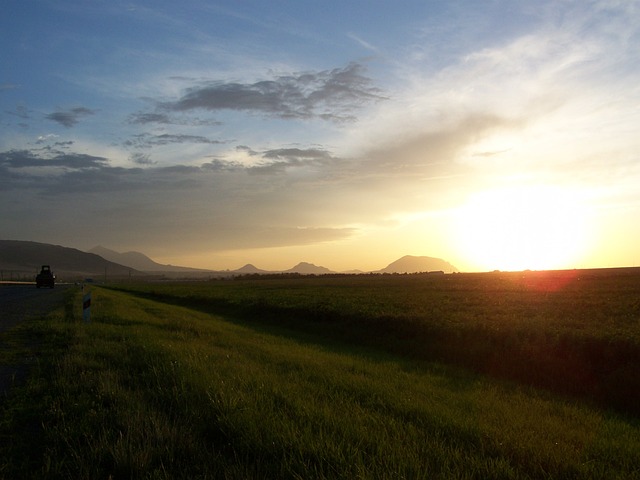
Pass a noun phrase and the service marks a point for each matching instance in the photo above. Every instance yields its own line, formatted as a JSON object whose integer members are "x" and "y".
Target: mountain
{"x": 22, "y": 259}
{"x": 25, "y": 258}
{"x": 411, "y": 264}
{"x": 135, "y": 260}
{"x": 305, "y": 268}
{"x": 140, "y": 261}
{"x": 249, "y": 269}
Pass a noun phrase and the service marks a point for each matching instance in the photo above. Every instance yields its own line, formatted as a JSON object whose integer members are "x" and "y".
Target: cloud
{"x": 362, "y": 42}
{"x": 278, "y": 160}
{"x": 46, "y": 138}
{"x": 330, "y": 95}
{"x": 216, "y": 205}
{"x": 140, "y": 158}
{"x": 146, "y": 140}
{"x": 297, "y": 154}
{"x": 20, "y": 111}
{"x": 311, "y": 195}
{"x": 144, "y": 118}
{"x": 69, "y": 118}
{"x": 412, "y": 152}
{"x": 491, "y": 153}
{"x": 218, "y": 165}
{"x": 248, "y": 150}
{"x": 264, "y": 236}
{"x": 18, "y": 159}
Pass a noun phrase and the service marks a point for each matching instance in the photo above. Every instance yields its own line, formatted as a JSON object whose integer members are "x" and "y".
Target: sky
{"x": 495, "y": 134}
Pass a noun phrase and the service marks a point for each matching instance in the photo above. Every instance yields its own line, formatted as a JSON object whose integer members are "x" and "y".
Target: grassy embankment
{"x": 153, "y": 390}
{"x": 575, "y": 333}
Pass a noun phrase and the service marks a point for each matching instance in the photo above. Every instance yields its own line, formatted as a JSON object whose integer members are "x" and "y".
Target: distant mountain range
{"x": 25, "y": 258}
{"x": 140, "y": 261}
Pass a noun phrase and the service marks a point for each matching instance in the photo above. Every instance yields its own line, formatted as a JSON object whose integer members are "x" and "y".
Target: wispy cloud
{"x": 21, "y": 159}
{"x": 140, "y": 158}
{"x": 144, "y": 140}
{"x": 46, "y": 138}
{"x": 20, "y": 111}
{"x": 362, "y": 42}
{"x": 297, "y": 154}
{"x": 279, "y": 160}
{"x": 69, "y": 118}
{"x": 144, "y": 118}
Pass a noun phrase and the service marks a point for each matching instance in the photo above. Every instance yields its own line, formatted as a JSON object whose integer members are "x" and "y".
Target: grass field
{"x": 572, "y": 332}
{"x": 330, "y": 377}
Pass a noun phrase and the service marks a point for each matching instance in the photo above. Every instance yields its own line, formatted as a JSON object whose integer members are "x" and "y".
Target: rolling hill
{"x": 141, "y": 262}
{"x": 25, "y": 258}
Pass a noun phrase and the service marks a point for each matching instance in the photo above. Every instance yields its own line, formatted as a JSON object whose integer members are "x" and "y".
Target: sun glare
{"x": 536, "y": 228}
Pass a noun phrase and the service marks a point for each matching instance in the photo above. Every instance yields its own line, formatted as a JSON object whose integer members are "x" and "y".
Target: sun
{"x": 532, "y": 227}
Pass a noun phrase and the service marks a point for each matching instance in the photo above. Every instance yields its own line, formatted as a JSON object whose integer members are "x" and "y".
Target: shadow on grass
{"x": 36, "y": 345}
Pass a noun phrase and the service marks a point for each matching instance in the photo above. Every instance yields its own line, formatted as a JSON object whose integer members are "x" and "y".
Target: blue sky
{"x": 494, "y": 134}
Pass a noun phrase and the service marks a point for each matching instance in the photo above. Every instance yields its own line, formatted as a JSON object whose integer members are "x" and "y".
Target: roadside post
{"x": 86, "y": 306}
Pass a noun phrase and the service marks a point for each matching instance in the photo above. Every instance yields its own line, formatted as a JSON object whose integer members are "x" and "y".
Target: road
{"x": 18, "y": 303}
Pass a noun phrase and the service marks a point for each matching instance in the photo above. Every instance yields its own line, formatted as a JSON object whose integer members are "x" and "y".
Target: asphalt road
{"x": 17, "y": 304}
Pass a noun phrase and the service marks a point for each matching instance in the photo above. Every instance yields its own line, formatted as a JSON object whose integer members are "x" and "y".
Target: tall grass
{"x": 571, "y": 332}
{"x": 150, "y": 390}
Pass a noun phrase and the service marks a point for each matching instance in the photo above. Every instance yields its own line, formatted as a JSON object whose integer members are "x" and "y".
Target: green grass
{"x": 153, "y": 390}
{"x": 574, "y": 333}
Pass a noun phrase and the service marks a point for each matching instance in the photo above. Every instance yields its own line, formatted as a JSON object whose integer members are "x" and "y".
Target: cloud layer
{"x": 285, "y": 197}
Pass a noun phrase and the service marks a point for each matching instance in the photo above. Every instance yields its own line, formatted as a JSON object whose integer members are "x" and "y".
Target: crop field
{"x": 574, "y": 332}
{"x": 502, "y": 375}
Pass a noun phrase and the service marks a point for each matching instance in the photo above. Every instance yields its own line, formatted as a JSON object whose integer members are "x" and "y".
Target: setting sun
{"x": 522, "y": 228}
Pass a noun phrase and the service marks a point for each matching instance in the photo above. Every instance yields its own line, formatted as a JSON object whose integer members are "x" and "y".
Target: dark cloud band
{"x": 330, "y": 95}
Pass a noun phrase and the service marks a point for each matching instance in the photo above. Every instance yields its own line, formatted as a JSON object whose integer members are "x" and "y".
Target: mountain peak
{"x": 249, "y": 268}
{"x": 416, "y": 264}
{"x": 99, "y": 250}
{"x": 306, "y": 268}
{"x": 138, "y": 260}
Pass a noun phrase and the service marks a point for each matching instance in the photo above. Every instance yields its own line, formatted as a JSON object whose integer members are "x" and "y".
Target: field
{"x": 502, "y": 375}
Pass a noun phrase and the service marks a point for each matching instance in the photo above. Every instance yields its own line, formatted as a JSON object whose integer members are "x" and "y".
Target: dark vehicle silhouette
{"x": 45, "y": 278}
